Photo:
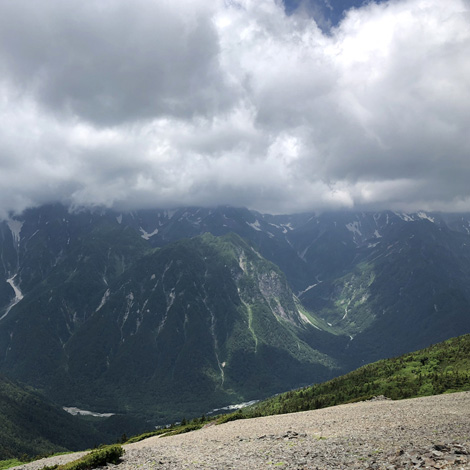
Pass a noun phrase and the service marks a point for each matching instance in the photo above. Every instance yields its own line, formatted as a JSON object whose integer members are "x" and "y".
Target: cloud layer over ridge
{"x": 143, "y": 103}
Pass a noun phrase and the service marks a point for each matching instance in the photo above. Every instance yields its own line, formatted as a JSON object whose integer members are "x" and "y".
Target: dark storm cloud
{"x": 113, "y": 62}
{"x": 132, "y": 104}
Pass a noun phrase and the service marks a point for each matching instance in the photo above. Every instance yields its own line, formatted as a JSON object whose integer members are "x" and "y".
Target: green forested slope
{"x": 192, "y": 326}
{"x": 163, "y": 333}
{"x": 29, "y": 425}
{"x": 441, "y": 368}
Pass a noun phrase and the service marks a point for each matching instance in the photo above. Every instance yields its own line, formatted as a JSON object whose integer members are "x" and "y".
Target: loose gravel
{"x": 431, "y": 432}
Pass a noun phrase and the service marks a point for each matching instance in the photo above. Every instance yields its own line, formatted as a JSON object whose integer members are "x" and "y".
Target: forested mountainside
{"x": 30, "y": 425}
{"x": 440, "y": 368}
{"x": 161, "y": 314}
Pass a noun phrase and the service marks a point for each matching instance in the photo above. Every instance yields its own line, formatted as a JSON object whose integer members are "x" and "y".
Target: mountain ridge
{"x": 314, "y": 295}
{"x": 201, "y": 302}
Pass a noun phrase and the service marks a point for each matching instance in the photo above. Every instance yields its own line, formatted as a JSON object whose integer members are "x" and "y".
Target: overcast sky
{"x": 163, "y": 103}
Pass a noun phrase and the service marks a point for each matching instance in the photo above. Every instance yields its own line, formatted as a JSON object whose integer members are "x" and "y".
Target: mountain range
{"x": 159, "y": 314}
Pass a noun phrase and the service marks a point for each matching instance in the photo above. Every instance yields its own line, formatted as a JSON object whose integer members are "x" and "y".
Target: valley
{"x": 158, "y": 315}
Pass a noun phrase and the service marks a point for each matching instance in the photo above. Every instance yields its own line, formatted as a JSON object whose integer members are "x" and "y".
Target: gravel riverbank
{"x": 431, "y": 432}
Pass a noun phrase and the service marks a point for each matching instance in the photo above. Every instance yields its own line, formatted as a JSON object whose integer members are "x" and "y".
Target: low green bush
{"x": 231, "y": 417}
{"x": 183, "y": 429}
{"x": 145, "y": 435}
{"x": 96, "y": 458}
{"x": 196, "y": 423}
{"x": 4, "y": 464}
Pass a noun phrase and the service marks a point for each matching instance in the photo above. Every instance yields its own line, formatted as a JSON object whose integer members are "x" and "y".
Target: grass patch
{"x": 146, "y": 435}
{"x": 171, "y": 431}
{"x": 183, "y": 429}
{"x": 4, "y": 464}
{"x": 96, "y": 458}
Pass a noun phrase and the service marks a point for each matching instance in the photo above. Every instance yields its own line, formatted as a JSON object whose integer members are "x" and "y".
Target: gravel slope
{"x": 431, "y": 432}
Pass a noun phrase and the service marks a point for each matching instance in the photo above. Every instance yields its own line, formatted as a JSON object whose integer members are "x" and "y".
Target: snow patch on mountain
{"x": 170, "y": 298}
{"x": 403, "y": 216}
{"x": 255, "y": 225}
{"x": 234, "y": 407}
{"x": 77, "y": 411}
{"x": 308, "y": 288}
{"x": 36, "y": 232}
{"x": 15, "y": 226}
{"x": 242, "y": 262}
{"x": 303, "y": 253}
{"x": 424, "y": 216}
{"x": 104, "y": 299}
{"x": 354, "y": 228}
{"x": 146, "y": 235}
{"x": 18, "y": 296}
{"x": 129, "y": 304}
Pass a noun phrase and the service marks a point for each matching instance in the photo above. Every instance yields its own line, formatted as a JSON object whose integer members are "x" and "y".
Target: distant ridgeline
{"x": 159, "y": 315}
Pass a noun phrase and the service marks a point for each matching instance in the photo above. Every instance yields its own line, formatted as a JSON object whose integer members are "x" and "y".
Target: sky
{"x": 310, "y": 105}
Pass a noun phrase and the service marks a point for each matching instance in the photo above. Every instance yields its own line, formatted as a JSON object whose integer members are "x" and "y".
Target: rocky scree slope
{"x": 430, "y": 432}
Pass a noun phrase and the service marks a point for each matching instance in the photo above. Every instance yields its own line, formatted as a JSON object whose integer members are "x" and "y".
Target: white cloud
{"x": 192, "y": 102}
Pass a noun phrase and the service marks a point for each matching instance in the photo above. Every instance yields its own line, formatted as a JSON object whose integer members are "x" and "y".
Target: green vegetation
{"x": 96, "y": 458}
{"x": 173, "y": 430}
{"x": 31, "y": 426}
{"x": 146, "y": 435}
{"x": 178, "y": 330}
{"x": 343, "y": 303}
{"x": 4, "y": 464}
{"x": 442, "y": 368}
{"x": 24, "y": 459}
{"x": 187, "y": 428}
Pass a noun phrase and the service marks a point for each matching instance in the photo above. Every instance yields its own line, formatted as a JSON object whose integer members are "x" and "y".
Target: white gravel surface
{"x": 431, "y": 432}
